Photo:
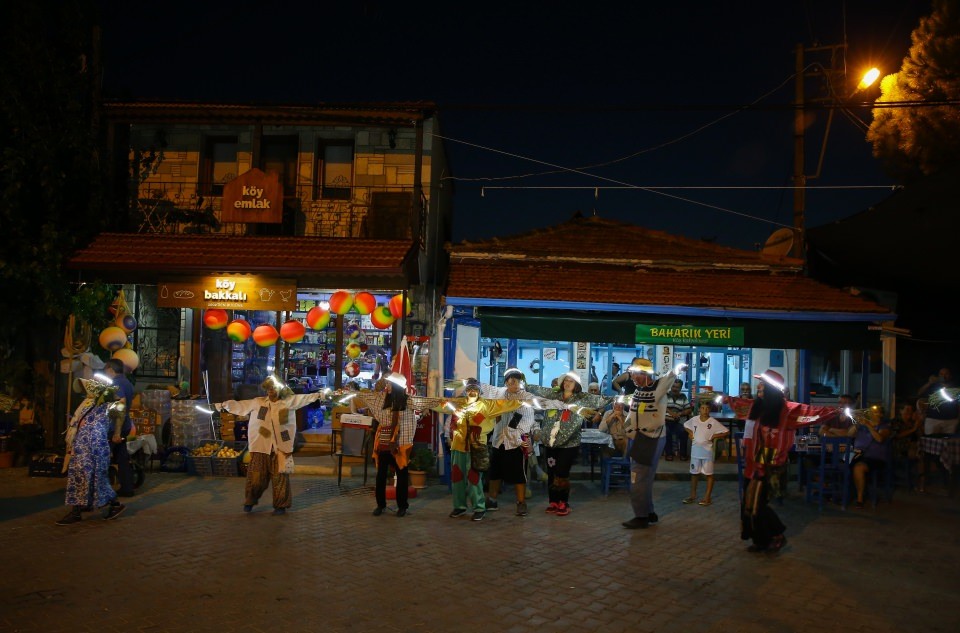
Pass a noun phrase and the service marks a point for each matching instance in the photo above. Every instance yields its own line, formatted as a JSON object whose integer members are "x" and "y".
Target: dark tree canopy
{"x": 50, "y": 180}
{"x": 911, "y": 141}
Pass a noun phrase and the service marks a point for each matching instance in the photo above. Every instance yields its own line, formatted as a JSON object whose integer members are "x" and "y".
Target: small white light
{"x": 718, "y": 400}
{"x": 200, "y": 407}
{"x": 103, "y": 378}
{"x": 945, "y": 395}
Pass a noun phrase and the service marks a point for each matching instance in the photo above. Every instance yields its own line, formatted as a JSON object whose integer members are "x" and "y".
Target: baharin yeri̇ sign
{"x": 690, "y": 335}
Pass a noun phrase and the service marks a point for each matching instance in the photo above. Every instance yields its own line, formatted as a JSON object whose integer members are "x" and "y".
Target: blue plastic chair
{"x": 881, "y": 480}
{"x": 614, "y": 473}
{"x": 831, "y": 479}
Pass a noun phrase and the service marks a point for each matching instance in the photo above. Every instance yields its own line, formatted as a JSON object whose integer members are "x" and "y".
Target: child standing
{"x": 702, "y": 430}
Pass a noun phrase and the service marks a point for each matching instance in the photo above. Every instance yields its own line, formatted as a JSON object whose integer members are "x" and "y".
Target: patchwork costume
{"x": 271, "y": 431}
{"x": 560, "y": 436}
{"x": 472, "y": 423}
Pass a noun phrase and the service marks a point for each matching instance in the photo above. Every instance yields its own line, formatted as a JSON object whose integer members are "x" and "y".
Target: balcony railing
{"x": 177, "y": 206}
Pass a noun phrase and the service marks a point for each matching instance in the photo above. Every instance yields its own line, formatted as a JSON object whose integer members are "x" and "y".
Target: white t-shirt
{"x": 703, "y": 433}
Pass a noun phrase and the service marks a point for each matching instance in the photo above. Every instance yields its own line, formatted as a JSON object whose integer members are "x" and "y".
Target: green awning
{"x": 620, "y": 329}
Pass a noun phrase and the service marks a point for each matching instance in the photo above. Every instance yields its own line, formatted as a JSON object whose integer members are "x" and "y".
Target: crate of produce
{"x": 199, "y": 460}
{"x": 226, "y": 461}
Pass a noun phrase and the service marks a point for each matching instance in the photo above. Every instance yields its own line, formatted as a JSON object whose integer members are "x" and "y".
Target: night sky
{"x": 647, "y": 96}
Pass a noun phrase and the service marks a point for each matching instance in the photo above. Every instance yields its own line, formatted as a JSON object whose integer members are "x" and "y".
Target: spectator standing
{"x": 703, "y": 430}
{"x": 645, "y": 425}
{"x": 88, "y": 453}
{"x": 943, "y": 414}
{"x": 114, "y": 368}
{"x": 678, "y": 412}
{"x": 623, "y": 383}
{"x": 271, "y": 431}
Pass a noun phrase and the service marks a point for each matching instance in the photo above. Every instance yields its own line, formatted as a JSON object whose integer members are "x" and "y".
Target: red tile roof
{"x": 145, "y": 257}
{"x": 570, "y": 263}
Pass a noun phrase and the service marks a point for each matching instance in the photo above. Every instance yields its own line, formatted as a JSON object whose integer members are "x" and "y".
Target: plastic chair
{"x": 353, "y": 443}
{"x": 880, "y": 480}
{"x": 614, "y": 473}
{"x": 831, "y": 479}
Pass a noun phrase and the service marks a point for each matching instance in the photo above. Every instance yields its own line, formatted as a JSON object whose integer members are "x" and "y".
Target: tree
{"x": 50, "y": 179}
{"x": 915, "y": 140}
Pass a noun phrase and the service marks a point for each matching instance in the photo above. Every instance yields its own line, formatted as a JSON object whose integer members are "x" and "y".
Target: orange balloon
{"x": 265, "y": 335}
{"x": 215, "y": 318}
{"x": 292, "y": 331}
{"x": 341, "y": 301}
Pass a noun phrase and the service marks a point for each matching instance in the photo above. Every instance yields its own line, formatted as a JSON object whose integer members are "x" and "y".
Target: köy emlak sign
{"x": 253, "y": 196}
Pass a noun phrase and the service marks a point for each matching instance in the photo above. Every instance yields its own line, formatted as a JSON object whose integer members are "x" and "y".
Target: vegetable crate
{"x": 199, "y": 461}
{"x": 226, "y": 466}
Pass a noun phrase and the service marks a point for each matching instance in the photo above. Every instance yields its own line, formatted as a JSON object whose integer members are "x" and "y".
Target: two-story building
{"x": 262, "y": 213}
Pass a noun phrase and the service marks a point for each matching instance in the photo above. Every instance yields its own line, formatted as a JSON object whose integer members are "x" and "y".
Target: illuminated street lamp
{"x": 799, "y": 129}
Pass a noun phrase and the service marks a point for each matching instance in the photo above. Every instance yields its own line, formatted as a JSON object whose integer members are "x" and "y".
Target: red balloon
{"x": 382, "y": 318}
{"x": 318, "y": 318}
{"x": 265, "y": 335}
{"x": 238, "y": 330}
{"x": 292, "y": 331}
{"x": 396, "y": 306}
{"x": 215, "y": 318}
{"x": 341, "y": 301}
{"x": 364, "y": 302}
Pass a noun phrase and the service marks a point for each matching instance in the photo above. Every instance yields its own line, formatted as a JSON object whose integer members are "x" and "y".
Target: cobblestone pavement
{"x": 185, "y": 558}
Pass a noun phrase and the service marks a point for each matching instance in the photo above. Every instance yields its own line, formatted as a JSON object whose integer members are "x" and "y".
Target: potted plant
{"x": 421, "y": 462}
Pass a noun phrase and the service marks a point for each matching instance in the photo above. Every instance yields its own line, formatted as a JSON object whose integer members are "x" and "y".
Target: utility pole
{"x": 830, "y": 73}
{"x": 799, "y": 179}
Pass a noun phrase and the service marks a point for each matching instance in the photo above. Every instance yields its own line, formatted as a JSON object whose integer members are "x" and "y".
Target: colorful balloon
{"x": 396, "y": 306}
{"x": 238, "y": 330}
{"x": 215, "y": 318}
{"x": 351, "y": 369}
{"x": 364, "y": 302}
{"x": 318, "y": 318}
{"x": 126, "y": 323}
{"x": 128, "y": 357}
{"x": 353, "y": 350}
{"x": 112, "y": 338}
{"x": 352, "y": 330}
{"x": 382, "y": 318}
{"x": 341, "y": 301}
{"x": 265, "y": 335}
{"x": 292, "y": 331}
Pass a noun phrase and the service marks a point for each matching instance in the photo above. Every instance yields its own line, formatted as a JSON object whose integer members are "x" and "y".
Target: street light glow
{"x": 868, "y": 78}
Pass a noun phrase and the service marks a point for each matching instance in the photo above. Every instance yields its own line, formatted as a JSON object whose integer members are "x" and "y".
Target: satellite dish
{"x": 779, "y": 243}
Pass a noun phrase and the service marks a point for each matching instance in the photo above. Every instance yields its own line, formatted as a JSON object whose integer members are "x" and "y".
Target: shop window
{"x": 157, "y": 337}
{"x": 334, "y": 176}
{"x": 219, "y": 164}
{"x": 279, "y": 154}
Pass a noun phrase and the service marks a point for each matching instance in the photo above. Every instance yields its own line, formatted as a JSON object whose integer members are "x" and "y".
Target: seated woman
{"x": 870, "y": 437}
